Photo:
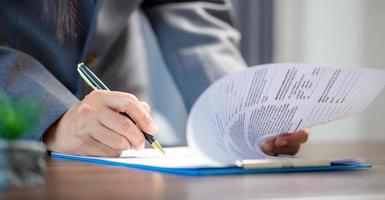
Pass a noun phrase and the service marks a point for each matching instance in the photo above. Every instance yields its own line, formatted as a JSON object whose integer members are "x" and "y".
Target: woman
{"x": 41, "y": 42}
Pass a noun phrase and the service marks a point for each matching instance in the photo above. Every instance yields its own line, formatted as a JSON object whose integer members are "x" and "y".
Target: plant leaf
{"x": 16, "y": 119}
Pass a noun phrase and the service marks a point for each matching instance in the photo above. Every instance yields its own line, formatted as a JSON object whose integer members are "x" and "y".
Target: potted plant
{"x": 22, "y": 162}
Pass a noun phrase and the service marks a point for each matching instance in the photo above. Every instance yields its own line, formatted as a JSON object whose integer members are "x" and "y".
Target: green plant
{"x": 16, "y": 118}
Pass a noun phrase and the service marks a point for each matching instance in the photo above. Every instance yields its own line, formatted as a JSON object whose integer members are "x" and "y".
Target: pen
{"x": 92, "y": 80}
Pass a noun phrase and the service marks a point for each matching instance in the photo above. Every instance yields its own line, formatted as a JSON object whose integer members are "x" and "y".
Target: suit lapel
{"x": 109, "y": 21}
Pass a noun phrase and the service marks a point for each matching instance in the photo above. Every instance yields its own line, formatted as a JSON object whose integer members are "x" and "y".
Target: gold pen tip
{"x": 158, "y": 147}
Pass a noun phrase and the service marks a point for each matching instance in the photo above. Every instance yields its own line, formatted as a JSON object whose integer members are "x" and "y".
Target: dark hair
{"x": 63, "y": 15}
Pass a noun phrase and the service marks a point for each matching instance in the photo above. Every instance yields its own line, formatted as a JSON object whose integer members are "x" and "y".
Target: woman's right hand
{"x": 94, "y": 126}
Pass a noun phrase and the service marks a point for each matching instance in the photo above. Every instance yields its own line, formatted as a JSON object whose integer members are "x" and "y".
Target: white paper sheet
{"x": 185, "y": 158}
{"x": 232, "y": 117}
{"x": 176, "y": 158}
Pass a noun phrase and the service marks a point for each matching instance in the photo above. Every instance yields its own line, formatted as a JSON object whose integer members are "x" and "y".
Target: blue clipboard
{"x": 216, "y": 171}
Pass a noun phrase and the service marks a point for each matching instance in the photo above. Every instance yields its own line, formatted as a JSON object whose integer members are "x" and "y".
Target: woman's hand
{"x": 94, "y": 126}
{"x": 287, "y": 144}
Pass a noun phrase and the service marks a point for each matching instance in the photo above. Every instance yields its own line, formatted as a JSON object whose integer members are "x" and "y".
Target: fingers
{"x": 146, "y": 106}
{"x": 97, "y": 148}
{"x": 122, "y": 126}
{"x": 94, "y": 126}
{"x": 292, "y": 139}
{"x": 129, "y": 104}
{"x": 109, "y": 138}
{"x": 288, "y": 144}
{"x": 285, "y": 150}
{"x": 269, "y": 148}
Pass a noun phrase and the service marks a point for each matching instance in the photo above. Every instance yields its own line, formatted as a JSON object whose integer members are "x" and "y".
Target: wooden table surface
{"x": 77, "y": 180}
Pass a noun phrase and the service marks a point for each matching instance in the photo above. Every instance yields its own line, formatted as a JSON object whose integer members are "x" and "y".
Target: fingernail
{"x": 151, "y": 128}
{"x": 267, "y": 146}
{"x": 281, "y": 142}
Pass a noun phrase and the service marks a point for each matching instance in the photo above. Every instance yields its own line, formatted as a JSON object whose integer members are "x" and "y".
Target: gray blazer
{"x": 198, "y": 42}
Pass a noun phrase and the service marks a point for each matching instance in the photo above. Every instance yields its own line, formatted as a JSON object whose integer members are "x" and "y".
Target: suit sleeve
{"x": 199, "y": 42}
{"x": 22, "y": 75}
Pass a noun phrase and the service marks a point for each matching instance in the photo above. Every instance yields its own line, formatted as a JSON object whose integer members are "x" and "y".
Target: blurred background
{"x": 348, "y": 33}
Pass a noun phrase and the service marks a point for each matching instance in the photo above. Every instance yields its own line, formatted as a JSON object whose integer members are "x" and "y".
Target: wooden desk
{"x": 77, "y": 180}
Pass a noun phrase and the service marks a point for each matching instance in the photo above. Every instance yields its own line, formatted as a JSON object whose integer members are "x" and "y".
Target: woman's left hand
{"x": 287, "y": 144}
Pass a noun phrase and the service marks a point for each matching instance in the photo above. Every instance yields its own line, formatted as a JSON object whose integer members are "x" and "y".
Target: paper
{"x": 232, "y": 117}
{"x": 176, "y": 158}
{"x": 180, "y": 158}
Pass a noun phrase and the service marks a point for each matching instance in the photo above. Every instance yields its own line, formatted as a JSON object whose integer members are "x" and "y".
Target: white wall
{"x": 345, "y": 33}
